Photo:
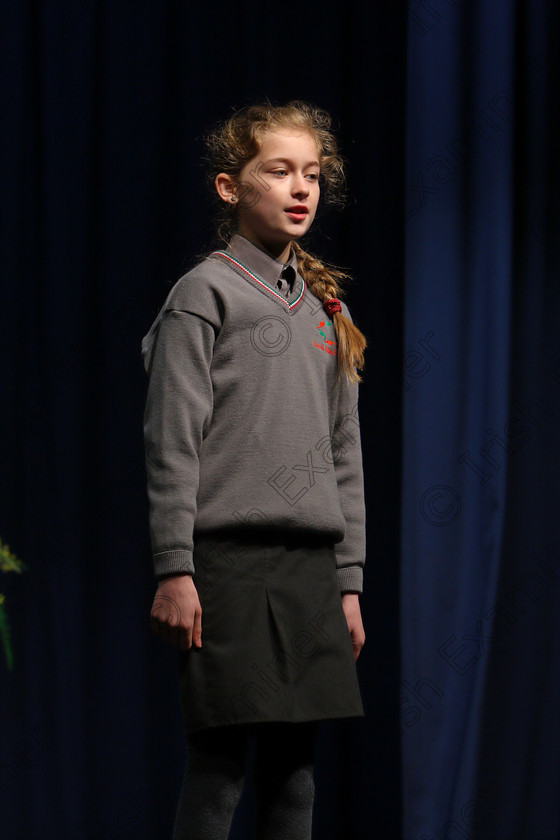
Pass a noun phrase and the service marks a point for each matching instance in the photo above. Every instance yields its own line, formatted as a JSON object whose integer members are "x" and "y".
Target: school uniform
{"x": 255, "y": 485}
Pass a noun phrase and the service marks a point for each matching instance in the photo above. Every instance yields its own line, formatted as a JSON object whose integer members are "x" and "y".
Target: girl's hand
{"x": 351, "y": 607}
{"x": 176, "y": 614}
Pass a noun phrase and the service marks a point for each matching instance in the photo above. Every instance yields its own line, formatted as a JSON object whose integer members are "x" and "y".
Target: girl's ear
{"x": 225, "y": 187}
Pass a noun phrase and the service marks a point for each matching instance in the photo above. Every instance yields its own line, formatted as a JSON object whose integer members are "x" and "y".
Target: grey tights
{"x": 214, "y": 777}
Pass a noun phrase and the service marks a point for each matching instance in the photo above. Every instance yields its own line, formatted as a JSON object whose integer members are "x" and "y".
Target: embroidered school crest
{"x": 326, "y": 345}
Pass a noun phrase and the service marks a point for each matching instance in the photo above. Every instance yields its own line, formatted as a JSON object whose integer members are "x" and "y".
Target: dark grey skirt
{"x": 275, "y": 642}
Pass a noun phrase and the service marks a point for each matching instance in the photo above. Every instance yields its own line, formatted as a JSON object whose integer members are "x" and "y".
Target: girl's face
{"x": 278, "y": 191}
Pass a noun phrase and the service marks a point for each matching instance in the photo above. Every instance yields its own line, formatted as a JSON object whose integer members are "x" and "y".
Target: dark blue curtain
{"x": 480, "y": 571}
{"x": 448, "y": 115}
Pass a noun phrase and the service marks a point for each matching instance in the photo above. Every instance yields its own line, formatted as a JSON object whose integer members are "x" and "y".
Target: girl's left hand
{"x": 351, "y": 607}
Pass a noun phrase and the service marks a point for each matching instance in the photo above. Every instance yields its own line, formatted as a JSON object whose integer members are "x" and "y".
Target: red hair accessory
{"x": 331, "y": 306}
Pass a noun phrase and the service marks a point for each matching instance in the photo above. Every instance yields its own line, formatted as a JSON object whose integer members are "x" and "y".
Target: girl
{"x": 255, "y": 479}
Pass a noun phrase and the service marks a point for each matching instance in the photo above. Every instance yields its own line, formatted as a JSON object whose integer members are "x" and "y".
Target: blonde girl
{"x": 255, "y": 479}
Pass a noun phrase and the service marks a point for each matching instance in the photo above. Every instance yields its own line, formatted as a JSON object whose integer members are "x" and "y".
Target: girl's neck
{"x": 279, "y": 251}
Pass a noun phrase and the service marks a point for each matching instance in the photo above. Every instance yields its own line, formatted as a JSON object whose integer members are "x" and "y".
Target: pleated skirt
{"x": 275, "y": 641}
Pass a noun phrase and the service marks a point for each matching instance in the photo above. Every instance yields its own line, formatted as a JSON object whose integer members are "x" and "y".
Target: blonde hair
{"x": 231, "y": 144}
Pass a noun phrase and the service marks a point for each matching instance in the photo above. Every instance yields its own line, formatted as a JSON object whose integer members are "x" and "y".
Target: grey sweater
{"x": 245, "y": 426}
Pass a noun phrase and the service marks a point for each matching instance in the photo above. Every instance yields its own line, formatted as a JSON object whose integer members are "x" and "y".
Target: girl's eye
{"x": 313, "y": 175}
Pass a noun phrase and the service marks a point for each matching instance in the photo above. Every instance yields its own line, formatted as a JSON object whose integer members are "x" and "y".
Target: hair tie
{"x": 331, "y": 306}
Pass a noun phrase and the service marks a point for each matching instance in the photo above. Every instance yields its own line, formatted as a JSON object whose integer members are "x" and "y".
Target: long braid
{"x": 323, "y": 283}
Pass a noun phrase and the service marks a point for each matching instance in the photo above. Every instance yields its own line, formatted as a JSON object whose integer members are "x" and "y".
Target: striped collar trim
{"x": 228, "y": 257}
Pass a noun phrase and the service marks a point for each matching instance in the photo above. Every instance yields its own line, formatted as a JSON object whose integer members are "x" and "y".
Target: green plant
{"x": 8, "y": 563}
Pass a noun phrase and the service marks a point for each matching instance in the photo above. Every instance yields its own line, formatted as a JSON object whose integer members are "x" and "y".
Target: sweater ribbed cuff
{"x": 350, "y": 579}
{"x": 173, "y": 562}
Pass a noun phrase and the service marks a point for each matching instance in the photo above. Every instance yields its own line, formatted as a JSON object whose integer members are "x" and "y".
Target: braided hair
{"x": 231, "y": 144}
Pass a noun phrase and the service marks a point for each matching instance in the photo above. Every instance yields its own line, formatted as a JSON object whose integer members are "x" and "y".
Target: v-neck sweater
{"x": 246, "y": 427}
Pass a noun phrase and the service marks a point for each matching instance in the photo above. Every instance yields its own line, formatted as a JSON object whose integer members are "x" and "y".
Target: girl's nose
{"x": 300, "y": 185}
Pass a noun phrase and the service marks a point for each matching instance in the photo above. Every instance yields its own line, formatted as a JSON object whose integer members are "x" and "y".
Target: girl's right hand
{"x": 176, "y": 614}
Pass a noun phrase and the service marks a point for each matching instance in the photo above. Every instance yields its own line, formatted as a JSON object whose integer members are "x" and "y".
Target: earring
{"x": 232, "y": 199}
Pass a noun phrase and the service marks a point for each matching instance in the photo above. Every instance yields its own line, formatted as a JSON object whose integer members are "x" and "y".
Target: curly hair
{"x": 233, "y": 143}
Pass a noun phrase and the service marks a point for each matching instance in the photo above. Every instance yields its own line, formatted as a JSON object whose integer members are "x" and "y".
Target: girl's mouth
{"x": 297, "y": 217}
